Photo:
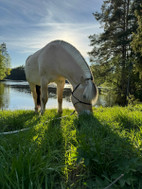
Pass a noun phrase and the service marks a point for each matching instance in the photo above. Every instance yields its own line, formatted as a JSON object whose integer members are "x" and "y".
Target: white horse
{"x": 56, "y": 62}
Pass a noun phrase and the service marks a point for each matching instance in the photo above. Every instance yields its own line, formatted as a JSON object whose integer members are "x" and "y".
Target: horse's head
{"x": 84, "y": 95}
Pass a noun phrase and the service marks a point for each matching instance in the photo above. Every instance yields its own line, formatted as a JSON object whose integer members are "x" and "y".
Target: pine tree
{"x": 112, "y": 52}
{"x": 137, "y": 42}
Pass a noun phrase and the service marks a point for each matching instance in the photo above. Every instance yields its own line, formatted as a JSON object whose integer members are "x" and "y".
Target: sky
{"x": 28, "y": 25}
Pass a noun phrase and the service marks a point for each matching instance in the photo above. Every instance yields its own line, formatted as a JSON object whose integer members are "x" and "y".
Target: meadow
{"x": 85, "y": 152}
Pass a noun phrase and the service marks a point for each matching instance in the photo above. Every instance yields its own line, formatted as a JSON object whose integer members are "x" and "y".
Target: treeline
{"x": 116, "y": 55}
{"x": 17, "y": 74}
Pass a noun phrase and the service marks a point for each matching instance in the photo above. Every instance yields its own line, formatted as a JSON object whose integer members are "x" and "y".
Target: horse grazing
{"x": 56, "y": 62}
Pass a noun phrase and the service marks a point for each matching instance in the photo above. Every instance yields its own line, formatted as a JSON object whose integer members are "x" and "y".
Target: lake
{"x": 16, "y": 95}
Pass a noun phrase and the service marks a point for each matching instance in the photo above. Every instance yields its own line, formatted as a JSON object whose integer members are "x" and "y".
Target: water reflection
{"x": 16, "y": 95}
{"x": 107, "y": 98}
{"x": 4, "y": 96}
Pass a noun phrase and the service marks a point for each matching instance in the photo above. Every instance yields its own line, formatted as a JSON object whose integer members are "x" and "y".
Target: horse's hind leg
{"x": 38, "y": 92}
{"x": 44, "y": 95}
{"x": 60, "y": 88}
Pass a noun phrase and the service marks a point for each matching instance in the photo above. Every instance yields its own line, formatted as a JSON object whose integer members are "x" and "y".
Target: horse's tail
{"x": 38, "y": 95}
{"x": 91, "y": 92}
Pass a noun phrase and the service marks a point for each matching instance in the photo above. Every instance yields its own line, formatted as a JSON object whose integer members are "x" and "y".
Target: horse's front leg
{"x": 60, "y": 88}
{"x": 34, "y": 94}
{"x": 44, "y": 95}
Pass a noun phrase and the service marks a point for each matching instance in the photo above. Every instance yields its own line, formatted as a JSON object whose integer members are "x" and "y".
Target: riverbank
{"x": 73, "y": 152}
{"x": 15, "y": 95}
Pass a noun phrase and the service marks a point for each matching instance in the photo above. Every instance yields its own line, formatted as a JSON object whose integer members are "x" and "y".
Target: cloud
{"x": 28, "y": 25}
{"x": 74, "y": 34}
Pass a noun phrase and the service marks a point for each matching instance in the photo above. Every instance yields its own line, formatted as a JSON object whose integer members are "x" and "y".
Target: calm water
{"x": 16, "y": 95}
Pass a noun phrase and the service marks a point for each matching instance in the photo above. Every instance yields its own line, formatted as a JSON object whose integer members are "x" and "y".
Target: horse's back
{"x": 43, "y": 63}
{"x": 56, "y": 59}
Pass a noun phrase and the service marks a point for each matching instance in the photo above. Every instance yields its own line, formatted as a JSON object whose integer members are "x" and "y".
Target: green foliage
{"x": 4, "y": 64}
{"x": 89, "y": 151}
{"x": 137, "y": 43}
{"x": 108, "y": 149}
{"x": 137, "y": 37}
{"x": 113, "y": 60}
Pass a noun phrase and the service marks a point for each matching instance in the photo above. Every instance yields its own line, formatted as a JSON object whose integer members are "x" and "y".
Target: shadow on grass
{"x": 14, "y": 120}
{"x": 51, "y": 147}
{"x": 103, "y": 154}
{"x": 33, "y": 158}
{"x": 37, "y": 158}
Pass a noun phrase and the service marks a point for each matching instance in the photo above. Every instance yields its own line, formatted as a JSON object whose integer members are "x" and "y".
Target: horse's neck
{"x": 74, "y": 82}
{"x": 70, "y": 68}
{"x": 74, "y": 77}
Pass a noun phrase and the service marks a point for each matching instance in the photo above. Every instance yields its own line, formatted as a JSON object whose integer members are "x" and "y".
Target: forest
{"x": 17, "y": 74}
{"x": 116, "y": 54}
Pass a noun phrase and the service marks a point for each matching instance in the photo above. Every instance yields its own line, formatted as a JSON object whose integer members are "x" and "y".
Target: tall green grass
{"x": 85, "y": 152}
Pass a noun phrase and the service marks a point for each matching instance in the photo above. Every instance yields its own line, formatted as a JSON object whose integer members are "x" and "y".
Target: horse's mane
{"x": 90, "y": 92}
{"x": 77, "y": 56}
